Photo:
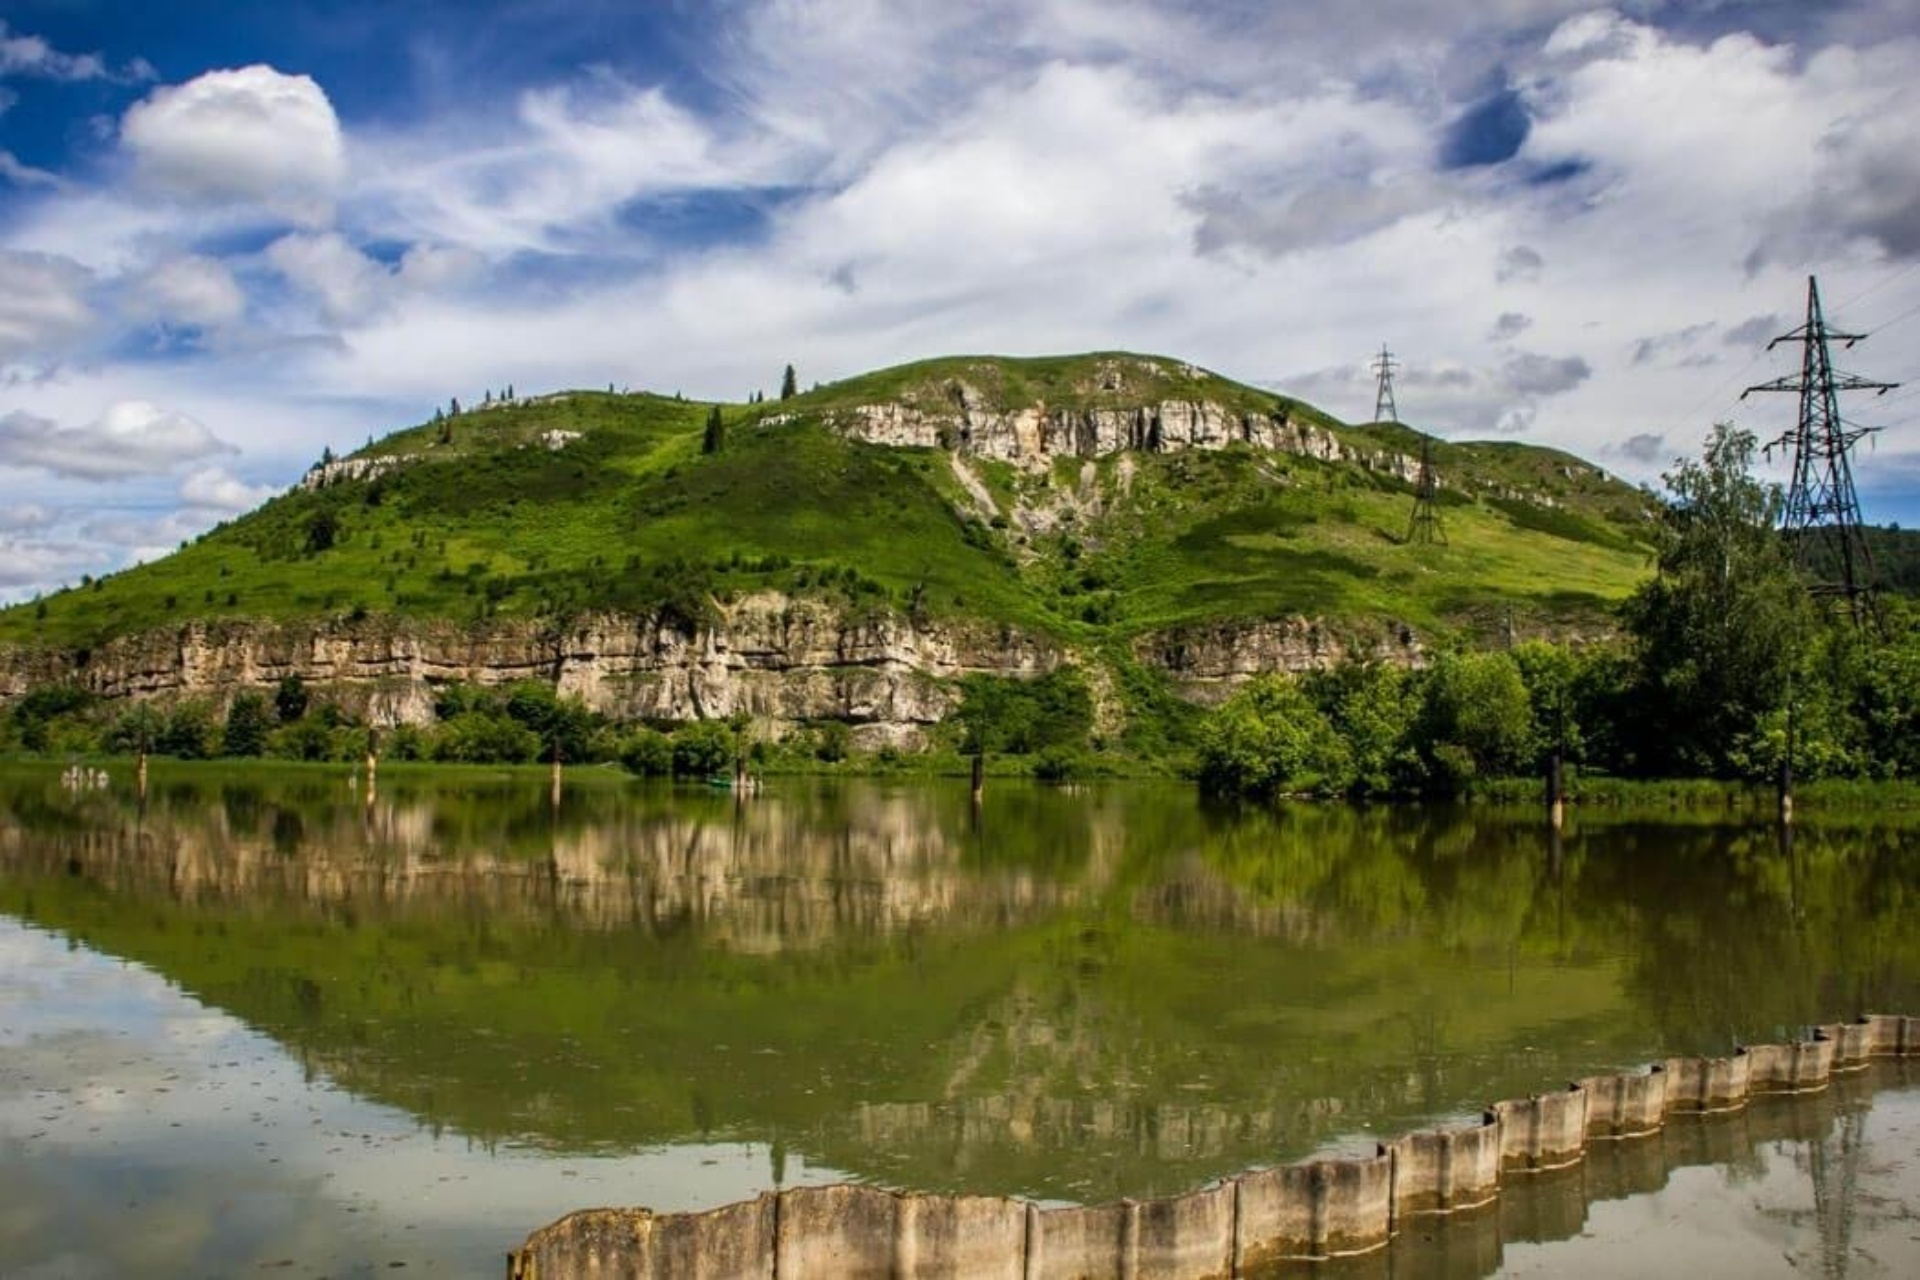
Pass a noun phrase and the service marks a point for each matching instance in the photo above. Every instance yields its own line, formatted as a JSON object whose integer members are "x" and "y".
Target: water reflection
{"x": 1117, "y": 992}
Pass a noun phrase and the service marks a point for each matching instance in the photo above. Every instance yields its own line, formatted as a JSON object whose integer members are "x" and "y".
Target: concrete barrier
{"x": 1631, "y": 1104}
{"x": 1326, "y": 1209}
{"x": 1852, "y": 1044}
{"x": 1445, "y": 1170}
{"x": 1265, "y": 1217}
{"x": 1097, "y": 1240}
{"x": 1801, "y": 1067}
{"x": 842, "y": 1230}
{"x": 1546, "y": 1131}
{"x": 734, "y": 1242}
{"x": 1891, "y": 1036}
{"x": 1190, "y": 1235}
{"x": 982, "y": 1236}
{"x": 1706, "y": 1084}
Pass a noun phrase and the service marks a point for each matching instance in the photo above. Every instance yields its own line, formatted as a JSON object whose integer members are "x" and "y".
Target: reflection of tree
{"x": 1098, "y": 994}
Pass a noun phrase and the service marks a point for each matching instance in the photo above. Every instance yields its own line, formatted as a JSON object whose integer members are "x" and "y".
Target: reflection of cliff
{"x": 759, "y": 878}
{"x": 1075, "y": 995}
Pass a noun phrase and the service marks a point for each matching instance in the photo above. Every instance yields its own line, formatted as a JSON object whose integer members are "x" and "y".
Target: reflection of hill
{"x": 1078, "y": 996}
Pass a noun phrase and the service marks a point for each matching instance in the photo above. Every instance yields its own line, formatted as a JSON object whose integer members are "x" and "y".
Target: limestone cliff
{"x": 781, "y": 659}
{"x": 1035, "y": 435}
{"x": 768, "y": 655}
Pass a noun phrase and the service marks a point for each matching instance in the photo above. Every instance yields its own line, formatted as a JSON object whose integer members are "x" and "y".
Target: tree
{"x": 290, "y": 698}
{"x": 1477, "y": 720}
{"x": 1269, "y": 738}
{"x": 323, "y": 529}
{"x": 789, "y": 385}
{"x": 246, "y": 731}
{"x": 715, "y": 438}
{"x": 1719, "y": 630}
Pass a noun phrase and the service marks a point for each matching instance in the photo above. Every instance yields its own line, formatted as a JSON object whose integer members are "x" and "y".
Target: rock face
{"x": 769, "y": 656}
{"x": 1036, "y": 435}
{"x": 778, "y": 659}
{"x": 1207, "y": 663}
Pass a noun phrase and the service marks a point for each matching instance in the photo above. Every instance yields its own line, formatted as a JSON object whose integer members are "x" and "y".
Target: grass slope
{"x": 487, "y": 520}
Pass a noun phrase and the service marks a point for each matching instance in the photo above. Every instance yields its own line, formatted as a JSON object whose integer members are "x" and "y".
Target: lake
{"x": 259, "y": 1021}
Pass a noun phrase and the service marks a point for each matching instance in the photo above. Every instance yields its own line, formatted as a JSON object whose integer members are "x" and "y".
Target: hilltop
{"x": 1075, "y": 497}
{"x": 856, "y": 553}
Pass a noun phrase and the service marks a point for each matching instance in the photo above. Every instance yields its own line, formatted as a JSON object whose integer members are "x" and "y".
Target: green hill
{"x": 550, "y": 507}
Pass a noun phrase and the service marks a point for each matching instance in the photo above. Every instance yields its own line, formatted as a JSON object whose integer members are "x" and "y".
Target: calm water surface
{"x": 259, "y": 1023}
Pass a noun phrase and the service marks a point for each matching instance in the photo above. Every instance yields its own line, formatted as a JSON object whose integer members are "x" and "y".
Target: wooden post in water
{"x": 979, "y": 777}
{"x": 1783, "y": 783}
{"x": 556, "y": 775}
{"x": 140, "y": 776}
{"x": 373, "y": 763}
{"x": 1556, "y": 790}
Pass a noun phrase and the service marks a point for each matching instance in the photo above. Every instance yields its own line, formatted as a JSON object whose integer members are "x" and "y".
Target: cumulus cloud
{"x": 1674, "y": 342}
{"x": 32, "y": 56}
{"x": 1510, "y": 325}
{"x": 1324, "y": 213}
{"x": 216, "y": 489}
{"x": 30, "y": 563}
{"x": 43, "y": 304}
{"x": 192, "y": 290}
{"x": 25, "y": 175}
{"x": 1519, "y": 262}
{"x": 26, "y": 516}
{"x": 1529, "y": 374}
{"x": 252, "y": 135}
{"x": 1647, "y": 447}
{"x": 1757, "y": 331}
{"x": 351, "y": 286}
{"x": 132, "y": 438}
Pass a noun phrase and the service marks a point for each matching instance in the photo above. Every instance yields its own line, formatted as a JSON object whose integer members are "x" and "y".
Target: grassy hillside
{"x": 493, "y": 515}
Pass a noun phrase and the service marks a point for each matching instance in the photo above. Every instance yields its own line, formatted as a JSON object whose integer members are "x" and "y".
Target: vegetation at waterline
{"x": 1728, "y": 670}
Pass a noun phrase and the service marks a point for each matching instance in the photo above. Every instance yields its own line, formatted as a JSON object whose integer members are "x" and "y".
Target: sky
{"x": 233, "y": 235}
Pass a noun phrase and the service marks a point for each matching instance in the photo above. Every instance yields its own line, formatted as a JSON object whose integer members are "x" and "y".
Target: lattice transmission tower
{"x": 1383, "y": 366}
{"x": 1425, "y": 525}
{"x": 1823, "y": 509}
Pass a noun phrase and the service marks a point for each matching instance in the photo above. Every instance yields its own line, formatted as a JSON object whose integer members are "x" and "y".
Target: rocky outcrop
{"x": 1036, "y": 435}
{"x": 779, "y": 659}
{"x": 1207, "y": 663}
{"x": 344, "y": 470}
{"x": 767, "y": 655}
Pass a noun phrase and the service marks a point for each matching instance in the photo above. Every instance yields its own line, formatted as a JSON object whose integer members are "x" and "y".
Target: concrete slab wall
{"x": 1247, "y": 1224}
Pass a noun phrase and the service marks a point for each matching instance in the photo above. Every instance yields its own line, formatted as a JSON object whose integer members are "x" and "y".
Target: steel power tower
{"x": 1425, "y": 525}
{"x": 1383, "y": 366}
{"x": 1823, "y": 509}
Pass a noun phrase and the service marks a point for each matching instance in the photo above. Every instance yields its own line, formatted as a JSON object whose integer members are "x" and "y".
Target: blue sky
{"x": 232, "y": 235}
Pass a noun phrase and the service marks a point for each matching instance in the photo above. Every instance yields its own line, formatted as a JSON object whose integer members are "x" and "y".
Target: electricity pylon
{"x": 1425, "y": 525}
{"x": 1383, "y": 366}
{"x": 1823, "y": 510}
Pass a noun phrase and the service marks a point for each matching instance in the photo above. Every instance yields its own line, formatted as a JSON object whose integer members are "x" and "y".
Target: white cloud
{"x": 132, "y": 438}
{"x": 348, "y": 284}
{"x": 353, "y": 288}
{"x": 250, "y": 136}
{"x": 191, "y": 290}
{"x": 33, "y": 56}
{"x": 25, "y": 517}
{"x": 28, "y": 563}
{"x": 215, "y": 489}
{"x": 43, "y": 304}
{"x": 25, "y": 175}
